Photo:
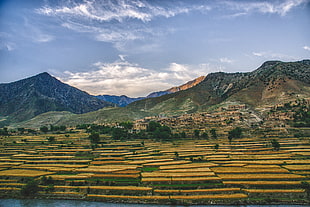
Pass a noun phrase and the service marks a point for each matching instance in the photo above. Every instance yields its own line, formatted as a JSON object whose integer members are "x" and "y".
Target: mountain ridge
{"x": 26, "y": 98}
{"x": 274, "y": 82}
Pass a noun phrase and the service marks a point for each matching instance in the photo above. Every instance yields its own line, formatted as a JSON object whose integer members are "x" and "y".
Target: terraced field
{"x": 184, "y": 171}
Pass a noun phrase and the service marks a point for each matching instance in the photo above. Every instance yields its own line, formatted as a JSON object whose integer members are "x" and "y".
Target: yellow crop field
{"x": 129, "y": 197}
{"x": 202, "y": 169}
{"x": 215, "y": 196}
{"x": 23, "y": 173}
{"x": 167, "y": 163}
{"x": 63, "y": 177}
{"x": 297, "y": 167}
{"x": 116, "y": 175}
{"x": 185, "y": 171}
{"x": 189, "y": 179}
{"x": 198, "y": 190}
{"x": 188, "y": 166}
{"x": 274, "y": 190}
{"x": 248, "y": 170}
{"x": 258, "y": 182}
{"x": 177, "y": 174}
{"x": 259, "y": 176}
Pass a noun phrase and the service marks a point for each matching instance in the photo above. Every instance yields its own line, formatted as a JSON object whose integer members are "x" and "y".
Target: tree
{"x": 119, "y": 133}
{"x": 44, "y": 129}
{"x": 21, "y": 130}
{"x": 234, "y": 133}
{"x": 152, "y": 126}
{"x": 205, "y": 135}
{"x": 157, "y": 131}
{"x": 196, "y": 133}
{"x": 176, "y": 154}
{"x": 62, "y": 128}
{"x": 30, "y": 189}
{"x": 183, "y": 135}
{"x": 213, "y": 133}
{"x": 51, "y": 139}
{"x": 4, "y": 131}
{"x": 94, "y": 137}
{"x": 275, "y": 144}
{"x": 49, "y": 188}
{"x": 305, "y": 185}
{"x": 47, "y": 180}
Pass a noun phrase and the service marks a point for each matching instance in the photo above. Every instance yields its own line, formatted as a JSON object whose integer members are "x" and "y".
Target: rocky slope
{"x": 271, "y": 83}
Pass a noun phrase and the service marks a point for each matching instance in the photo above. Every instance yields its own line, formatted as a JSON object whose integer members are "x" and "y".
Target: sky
{"x": 134, "y": 47}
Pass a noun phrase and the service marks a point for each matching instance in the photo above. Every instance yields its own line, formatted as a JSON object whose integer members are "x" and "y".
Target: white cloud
{"x": 118, "y": 10}
{"x": 43, "y": 37}
{"x": 272, "y": 55}
{"x": 279, "y": 7}
{"x": 35, "y": 34}
{"x": 306, "y": 48}
{"x": 122, "y": 77}
{"x": 117, "y": 21}
{"x": 257, "y": 54}
{"x": 226, "y": 60}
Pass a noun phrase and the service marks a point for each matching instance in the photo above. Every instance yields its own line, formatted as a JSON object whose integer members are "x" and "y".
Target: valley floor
{"x": 187, "y": 171}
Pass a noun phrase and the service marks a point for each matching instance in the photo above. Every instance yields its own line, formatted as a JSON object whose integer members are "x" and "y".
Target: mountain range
{"x": 125, "y": 100}
{"x": 272, "y": 83}
{"x": 27, "y": 98}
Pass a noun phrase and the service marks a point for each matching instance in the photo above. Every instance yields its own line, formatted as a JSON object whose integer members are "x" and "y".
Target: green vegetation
{"x": 275, "y": 144}
{"x": 94, "y": 137}
{"x": 213, "y": 133}
{"x": 234, "y": 133}
{"x": 44, "y": 129}
{"x": 4, "y": 131}
{"x": 196, "y": 133}
{"x": 149, "y": 169}
{"x": 30, "y": 189}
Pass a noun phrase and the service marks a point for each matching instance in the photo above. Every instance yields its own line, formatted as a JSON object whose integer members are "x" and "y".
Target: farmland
{"x": 184, "y": 171}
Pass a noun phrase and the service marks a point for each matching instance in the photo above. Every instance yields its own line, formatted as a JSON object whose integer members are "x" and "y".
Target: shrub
{"x": 30, "y": 189}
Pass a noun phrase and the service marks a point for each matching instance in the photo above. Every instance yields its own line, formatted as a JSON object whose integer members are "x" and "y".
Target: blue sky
{"x": 135, "y": 47}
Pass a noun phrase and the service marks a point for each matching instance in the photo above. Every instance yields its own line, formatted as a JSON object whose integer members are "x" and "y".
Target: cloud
{"x": 279, "y": 7}
{"x": 226, "y": 60}
{"x": 35, "y": 33}
{"x": 258, "y": 54}
{"x": 118, "y": 21}
{"x": 306, "y": 48}
{"x": 273, "y": 55}
{"x": 118, "y": 10}
{"x": 122, "y": 77}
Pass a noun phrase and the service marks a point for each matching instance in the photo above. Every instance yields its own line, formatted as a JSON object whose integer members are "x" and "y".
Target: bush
{"x": 234, "y": 133}
{"x": 44, "y": 129}
{"x": 30, "y": 189}
{"x": 275, "y": 144}
{"x": 94, "y": 137}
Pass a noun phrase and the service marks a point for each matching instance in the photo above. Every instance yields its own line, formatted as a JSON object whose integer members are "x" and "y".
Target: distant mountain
{"x": 24, "y": 99}
{"x": 123, "y": 100}
{"x": 272, "y": 83}
{"x": 118, "y": 100}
